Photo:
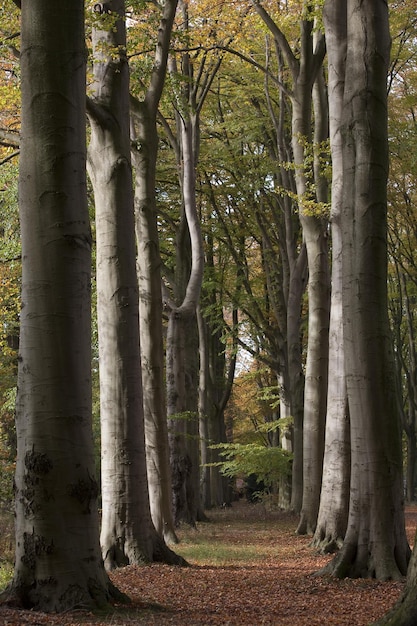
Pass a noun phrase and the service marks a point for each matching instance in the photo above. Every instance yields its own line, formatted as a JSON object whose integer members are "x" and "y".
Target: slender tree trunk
{"x": 203, "y": 405}
{"x": 58, "y": 559}
{"x": 150, "y": 295}
{"x": 295, "y": 373}
{"x": 334, "y": 501}
{"x": 182, "y": 314}
{"x": 411, "y": 374}
{"x": 284, "y": 495}
{"x": 315, "y": 235}
{"x": 151, "y": 337}
{"x": 375, "y": 543}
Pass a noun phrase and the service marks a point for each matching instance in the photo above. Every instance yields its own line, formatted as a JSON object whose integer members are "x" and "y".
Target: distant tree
{"x": 306, "y": 92}
{"x": 58, "y": 558}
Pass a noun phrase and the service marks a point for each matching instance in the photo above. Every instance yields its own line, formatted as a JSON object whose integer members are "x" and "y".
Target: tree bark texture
{"x": 375, "y": 543}
{"x": 315, "y": 236}
{"x": 128, "y": 535}
{"x": 334, "y": 499}
{"x": 58, "y": 559}
{"x": 150, "y": 293}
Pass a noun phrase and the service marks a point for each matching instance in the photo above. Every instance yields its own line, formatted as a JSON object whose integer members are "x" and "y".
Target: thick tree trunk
{"x": 375, "y": 543}
{"x": 127, "y": 534}
{"x": 122, "y": 451}
{"x": 58, "y": 559}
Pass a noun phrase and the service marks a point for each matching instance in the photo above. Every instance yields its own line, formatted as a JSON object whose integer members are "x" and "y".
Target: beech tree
{"x": 127, "y": 531}
{"x": 402, "y": 270}
{"x": 58, "y": 559}
{"x": 304, "y": 72}
{"x": 182, "y": 331}
{"x": 191, "y": 79}
{"x": 334, "y": 498}
{"x": 256, "y": 229}
{"x": 144, "y": 109}
{"x": 375, "y": 543}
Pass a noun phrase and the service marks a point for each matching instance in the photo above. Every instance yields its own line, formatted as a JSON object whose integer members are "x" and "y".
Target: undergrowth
{"x": 6, "y": 547}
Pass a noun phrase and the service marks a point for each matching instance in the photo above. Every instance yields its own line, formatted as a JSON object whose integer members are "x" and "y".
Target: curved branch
{"x": 279, "y": 37}
{"x": 10, "y": 157}
{"x": 9, "y": 139}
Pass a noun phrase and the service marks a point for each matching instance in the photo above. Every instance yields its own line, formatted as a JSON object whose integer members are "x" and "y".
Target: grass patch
{"x": 217, "y": 553}
{"x": 224, "y": 540}
{"x": 6, "y": 574}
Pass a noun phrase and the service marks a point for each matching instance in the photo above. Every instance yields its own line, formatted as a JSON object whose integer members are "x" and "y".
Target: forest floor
{"x": 247, "y": 568}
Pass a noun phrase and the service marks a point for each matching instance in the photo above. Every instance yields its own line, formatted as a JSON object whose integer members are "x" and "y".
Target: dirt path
{"x": 251, "y": 570}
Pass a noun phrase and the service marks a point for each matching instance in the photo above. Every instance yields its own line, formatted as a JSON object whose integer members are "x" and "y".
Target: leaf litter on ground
{"x": 247, "y": 568}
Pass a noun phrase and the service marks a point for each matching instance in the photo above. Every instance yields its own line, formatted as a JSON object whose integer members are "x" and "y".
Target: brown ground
{"x": 275, "y": 586}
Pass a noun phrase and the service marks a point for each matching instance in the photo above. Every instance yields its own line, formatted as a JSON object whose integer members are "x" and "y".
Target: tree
{"x": 334, "y": 498}
{"x": 58, "y": 558}
{"x": 401, "y": 223}
{"x": 305, "y": 77}
{"x": 260, "y": 258}
{"x": 186, "y": 280}
{"x": 144, "y": 154}
{"x": 375, "y": 543}
{"x": 192, "y": 72}
{"x": 127, "y": 532}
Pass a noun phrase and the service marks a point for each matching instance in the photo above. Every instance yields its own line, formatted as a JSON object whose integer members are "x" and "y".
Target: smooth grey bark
{"x": 128, "y": 535}
{"x": 58, "y": 559}
{"x": 182, "y": 334}
{"x": 334, "y": 499}
{"x": 144, "y": 153}
{"x": 375, "y": 543}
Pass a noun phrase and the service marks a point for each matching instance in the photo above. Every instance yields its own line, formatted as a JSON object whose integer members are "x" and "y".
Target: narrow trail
{"x": 249, "y": 569}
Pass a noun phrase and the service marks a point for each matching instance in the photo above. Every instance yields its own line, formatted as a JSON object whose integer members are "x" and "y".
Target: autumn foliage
{"x": 247, "y": 567}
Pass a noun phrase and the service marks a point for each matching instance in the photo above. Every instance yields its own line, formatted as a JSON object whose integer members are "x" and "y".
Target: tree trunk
{"x": 303, "y": 70}
{"x": 334, "y": 500}
{"x": 295, "y": 373}
{"x": 128, "y": 534}
{"x": 150, "y": 295}
{"x": 375, "y": 543}
{"x": 58, "y": 560}
{"x": 183, "y": 434}
{"x": 315, "y": 236}
{"x": 182, "y": 324}
{"x": 151, "y": 337}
